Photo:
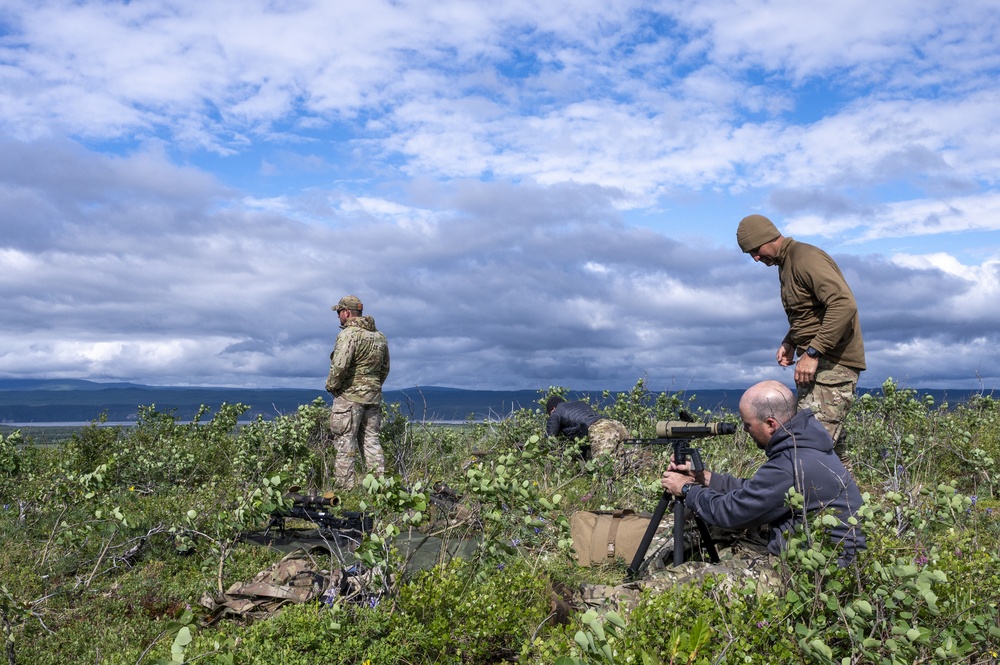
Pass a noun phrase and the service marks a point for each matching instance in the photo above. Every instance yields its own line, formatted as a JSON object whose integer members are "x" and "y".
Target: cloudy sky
{"x": 523, "y": 193}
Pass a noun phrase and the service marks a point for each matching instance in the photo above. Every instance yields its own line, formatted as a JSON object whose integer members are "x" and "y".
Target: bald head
{"x": 768, "y": 399}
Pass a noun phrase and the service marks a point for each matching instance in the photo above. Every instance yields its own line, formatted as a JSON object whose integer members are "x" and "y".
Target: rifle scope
{"x": 313, "y": 500}
{"x": 678, "y": 429}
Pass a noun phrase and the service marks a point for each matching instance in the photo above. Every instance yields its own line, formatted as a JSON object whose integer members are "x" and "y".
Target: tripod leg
{"x": 647, "y": 537}
{"x": 706, "y": 539}
{"x": 678, "y": 532}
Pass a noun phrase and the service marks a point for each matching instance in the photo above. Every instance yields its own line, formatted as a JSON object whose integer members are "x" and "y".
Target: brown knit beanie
{"x": 754, "y": 231}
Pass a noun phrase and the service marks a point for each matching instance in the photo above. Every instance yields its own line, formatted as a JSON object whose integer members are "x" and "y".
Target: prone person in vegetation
{"x": 799, "y": 454}
{"x": 823, "y": 325}
{"x": 576, "y": 420}
{"x": 359, "y": 365}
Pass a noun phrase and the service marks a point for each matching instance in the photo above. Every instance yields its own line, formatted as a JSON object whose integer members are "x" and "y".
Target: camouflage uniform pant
{"x": 830, "y": 397}
{"x": 606, "y": 436}
{"x": 351, "y": 423}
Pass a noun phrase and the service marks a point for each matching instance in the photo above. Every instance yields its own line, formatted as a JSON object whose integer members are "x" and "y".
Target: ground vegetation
{"x": 112, "y": 536}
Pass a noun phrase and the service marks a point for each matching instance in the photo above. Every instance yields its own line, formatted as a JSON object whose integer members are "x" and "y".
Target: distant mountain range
{"x": 35, "y": 401}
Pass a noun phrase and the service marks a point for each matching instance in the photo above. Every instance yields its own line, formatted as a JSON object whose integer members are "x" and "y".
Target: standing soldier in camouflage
{"x": 823, "y": 326}
{"x": 359, "y": 365}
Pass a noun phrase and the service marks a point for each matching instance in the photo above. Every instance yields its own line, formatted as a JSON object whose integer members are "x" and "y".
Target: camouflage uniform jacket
{"x": 820, "y": 306}
{"x": 359, "y": 362}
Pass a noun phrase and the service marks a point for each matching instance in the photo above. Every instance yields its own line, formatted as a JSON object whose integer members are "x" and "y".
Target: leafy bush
{"x": 128, "y": 527}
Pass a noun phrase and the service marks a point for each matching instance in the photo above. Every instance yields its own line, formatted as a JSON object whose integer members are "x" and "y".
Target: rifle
{"x": 315, "y": 508}
{"x": 678, "y": 434}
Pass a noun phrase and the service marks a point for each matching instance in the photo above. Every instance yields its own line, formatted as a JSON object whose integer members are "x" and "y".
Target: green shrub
{"x": 475, "y": 616}
{"x": 128, "y": 527}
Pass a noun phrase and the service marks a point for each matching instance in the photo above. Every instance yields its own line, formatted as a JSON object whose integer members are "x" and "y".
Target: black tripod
{"x": 681, "y": 452}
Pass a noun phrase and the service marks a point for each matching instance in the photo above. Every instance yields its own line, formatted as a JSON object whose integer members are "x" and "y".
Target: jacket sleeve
{"x": 732, "y": 503}
{"x": 340, "y": 360}
{"x": 554, "y": 425}
{"x": 825, "y": 280}
{"x": 384, "y": 370}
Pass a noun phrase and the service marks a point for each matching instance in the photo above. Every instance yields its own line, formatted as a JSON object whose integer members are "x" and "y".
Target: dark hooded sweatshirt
{"x": 800, "y": 455}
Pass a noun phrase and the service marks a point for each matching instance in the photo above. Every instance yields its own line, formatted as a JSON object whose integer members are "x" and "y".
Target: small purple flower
{"x": 515, "y": 541}
{"x": 764, "y": 623}
{"x": 920, "y": 560}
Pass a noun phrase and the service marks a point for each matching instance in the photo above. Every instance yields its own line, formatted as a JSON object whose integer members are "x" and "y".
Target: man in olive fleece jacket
{"x": 823, "y": 324}
{"x": 799, "y": 454}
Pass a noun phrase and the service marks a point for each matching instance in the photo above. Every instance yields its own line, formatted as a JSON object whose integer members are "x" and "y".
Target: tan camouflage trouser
{"x": 606, "y": 436}
{"x": 350, "y": 423}
{"x": 830, "y": 397}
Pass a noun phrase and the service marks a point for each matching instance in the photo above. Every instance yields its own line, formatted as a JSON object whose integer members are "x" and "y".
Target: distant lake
{"x": 131, "y": 423}
{"x": 75, "y": 404}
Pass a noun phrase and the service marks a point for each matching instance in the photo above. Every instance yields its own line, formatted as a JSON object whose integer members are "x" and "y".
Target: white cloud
{"x": 906, "y": 219}
{"x": 187, "y": 187}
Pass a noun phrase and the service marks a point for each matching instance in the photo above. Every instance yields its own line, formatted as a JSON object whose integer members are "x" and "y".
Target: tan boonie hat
{"x": 754, "y": 231}
{"x": 348, "y": 302}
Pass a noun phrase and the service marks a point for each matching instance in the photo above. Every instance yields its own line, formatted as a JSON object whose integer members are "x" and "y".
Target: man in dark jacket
{"x": 799, "y": 454}
{"x": 576, "y": 420}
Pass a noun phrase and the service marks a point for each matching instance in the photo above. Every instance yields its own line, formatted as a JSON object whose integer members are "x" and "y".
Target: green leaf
{"x": 820, "y": 647}
{"x": 181, "y": 642}
{"x": 863, "y": 606}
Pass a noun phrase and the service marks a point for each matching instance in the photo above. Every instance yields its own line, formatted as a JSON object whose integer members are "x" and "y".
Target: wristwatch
{"x": 813, "y": 353}
{"x": 686, "y": 489}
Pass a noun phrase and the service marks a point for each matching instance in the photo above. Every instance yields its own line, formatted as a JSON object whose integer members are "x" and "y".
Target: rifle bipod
{"x": 654, "y": 523}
